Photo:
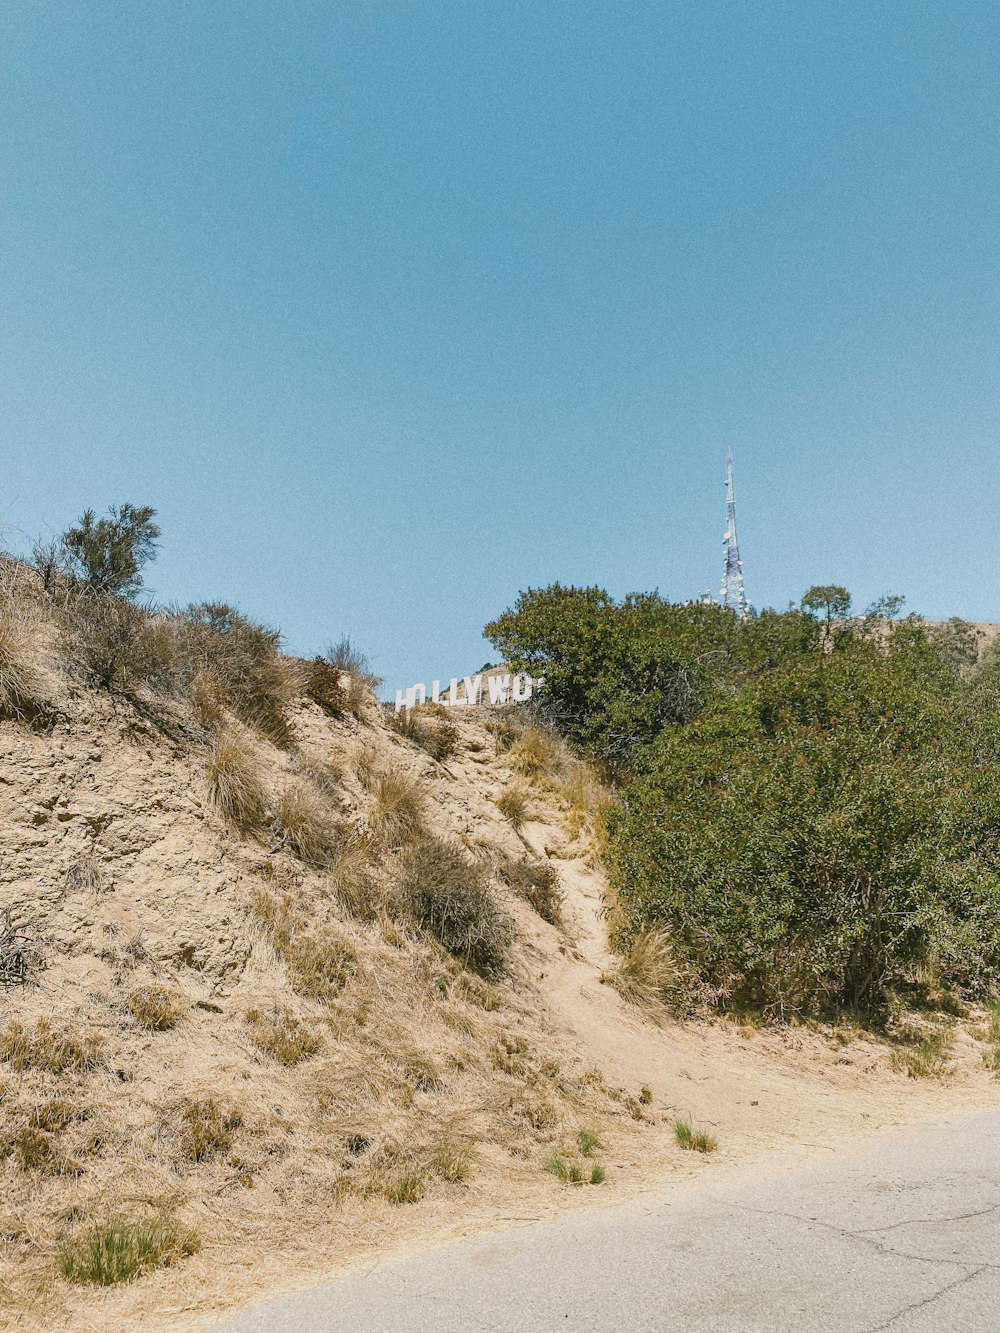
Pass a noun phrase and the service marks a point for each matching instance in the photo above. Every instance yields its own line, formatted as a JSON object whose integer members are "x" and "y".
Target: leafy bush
{"x": 123, "y": 1249}
{"x": 821, "y": 838}
{"x": 108, "y": 554}
{"x": 450, "y": 898}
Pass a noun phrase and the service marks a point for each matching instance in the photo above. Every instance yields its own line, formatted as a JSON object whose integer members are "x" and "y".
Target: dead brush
{"x": 397, "y": 816}
{"x": 451, "y": 899}
{"x": 116, "y": 645}
{"x": 649, "y": 975}
{"x": 355, "y": 675}
{"x": 538, "y": 884}
{"x": 282, "y": 1036}
{"x": 155, "y": 1008}
{"x": 36, "y": 1150}
{"x": 326, "y": 685}
{"x": 56, "y": 1050}
{"x": 306, "y": 823}
{"x": 20, "y": 953}
{"x": 234, "y": 783}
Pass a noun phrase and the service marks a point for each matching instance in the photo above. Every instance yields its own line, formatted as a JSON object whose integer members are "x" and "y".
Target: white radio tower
{"x": 732, "y": 592}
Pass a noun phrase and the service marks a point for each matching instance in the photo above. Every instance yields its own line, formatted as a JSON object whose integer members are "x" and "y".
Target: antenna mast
{"x": 732, "y": 591}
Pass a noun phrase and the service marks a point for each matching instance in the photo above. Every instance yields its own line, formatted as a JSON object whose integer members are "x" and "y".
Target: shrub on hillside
{"x": 325, "y": 686}
{"x": 354, "y": 674}
{"x": 107, "y": 554}
{"x": 538, "y": 884}
{"x": 115, "y": 644}
{"x": 429, "y": 727}
{"x": 450, "y": 898}
{"x": 243, "y": 662}
{"x": 19, "y": 688}
{"x": 821, "y": 839}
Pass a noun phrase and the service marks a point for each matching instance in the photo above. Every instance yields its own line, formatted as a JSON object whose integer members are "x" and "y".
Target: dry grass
{"x": 355, "y": 676}
{"x": 450, "y": 898}
{"x": 539, "y": 755}
{"x": 352, "y": 882}
{"x": 538, "y": 884}
{"x": 208, "y": 697}
{"x": 207, "y": 1129}
{"x": 84, "y": 875}
{"x": 326, "y": 686}
{"x": 307, "y": 823}
{"x": 283, "y": 1036}
{"x": 649, "y": 974}
{"x": 235, "y": 785}
{"x": 19, "y": 633}
{"x": 54, "y": 1049}
{"x": 123, "y": 1249}
{"x": 924, "y": 1054}
{"x": 155, "y": 1007}
{"x": 321, "y": 961}
{"x": 397, "y": 816}
{"x": 513, "y": 805}
{"x": 429, "y": 727}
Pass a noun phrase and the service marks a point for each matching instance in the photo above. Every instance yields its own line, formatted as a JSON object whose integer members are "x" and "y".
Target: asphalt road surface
{"x": 899, "y": 1232}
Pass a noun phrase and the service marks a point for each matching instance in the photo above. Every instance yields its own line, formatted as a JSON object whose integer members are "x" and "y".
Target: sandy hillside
{"x": 258, "y": 1048}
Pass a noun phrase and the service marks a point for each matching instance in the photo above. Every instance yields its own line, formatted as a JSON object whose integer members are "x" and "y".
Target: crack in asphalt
{"x": 929, "y": 1300}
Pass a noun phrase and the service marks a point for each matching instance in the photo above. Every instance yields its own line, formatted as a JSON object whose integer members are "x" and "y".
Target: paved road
{"x": 897, "y": 1233}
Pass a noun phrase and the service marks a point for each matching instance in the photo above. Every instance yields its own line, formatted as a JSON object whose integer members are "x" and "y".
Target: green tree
{"x": 830, "y": 602}
{"x": 108, "y": 554}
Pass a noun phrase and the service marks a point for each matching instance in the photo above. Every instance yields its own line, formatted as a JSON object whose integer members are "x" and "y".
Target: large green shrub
{"x": 822, "y": 837}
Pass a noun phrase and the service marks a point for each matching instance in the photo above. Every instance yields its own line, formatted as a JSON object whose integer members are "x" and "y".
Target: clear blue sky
{"x": 393, "y": 309}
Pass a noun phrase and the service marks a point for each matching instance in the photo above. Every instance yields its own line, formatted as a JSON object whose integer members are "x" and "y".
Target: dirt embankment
{"x": 256, "y": 1044}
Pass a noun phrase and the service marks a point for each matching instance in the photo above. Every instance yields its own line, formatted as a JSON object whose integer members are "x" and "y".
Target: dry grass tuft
{"x": 124, "y": 1248}
{"x": 429, "y": 727}
{"x": 208, "y": 697}
{"x": 326, "y": 686}
{"x": 351, "y": 881}
{"x": 19, "y": 688}
{"x": 538, "y": 884}
{"x": 207, "y": 1129}
{"x": 56, "y": 1050}
{"x": 451, "y": 899}
{"x": 155, "y": 1007}
{"x": 307, "y": 823}
{"x": 539, "y": 755}
{"x": 397, "y": 816}
{"x": 234, "y": 783}
{"x": 649, "y": 974}
{"x": 84, "y": 875}
{"x": 282, "y": 1036}
{"x": 513, "y": 805}
{"x": 354, "y": 675}
{"x": 925, "y": 1054}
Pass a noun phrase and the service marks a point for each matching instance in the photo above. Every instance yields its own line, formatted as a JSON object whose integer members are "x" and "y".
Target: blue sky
{"x": 394, "y": 309}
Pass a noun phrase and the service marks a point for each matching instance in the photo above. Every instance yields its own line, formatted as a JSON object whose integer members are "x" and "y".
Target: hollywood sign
{"x": 500, "y": 690}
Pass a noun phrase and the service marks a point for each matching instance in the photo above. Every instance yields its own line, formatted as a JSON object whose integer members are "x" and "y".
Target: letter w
{"x": 499, "y": 685}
